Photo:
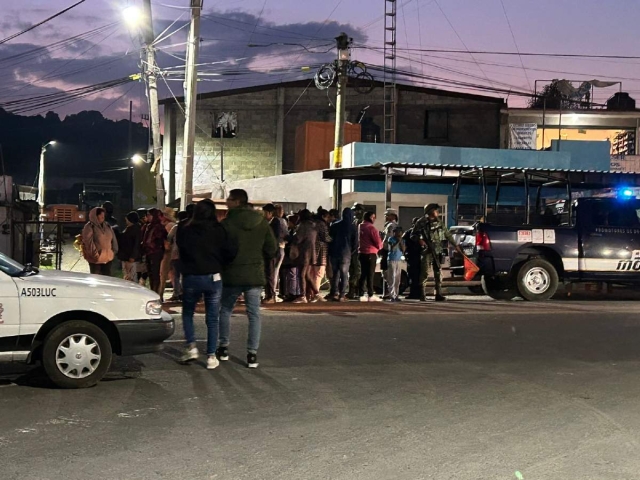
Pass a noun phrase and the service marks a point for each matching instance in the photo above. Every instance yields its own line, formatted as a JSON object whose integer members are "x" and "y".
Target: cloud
{"x": 277, "y": 53}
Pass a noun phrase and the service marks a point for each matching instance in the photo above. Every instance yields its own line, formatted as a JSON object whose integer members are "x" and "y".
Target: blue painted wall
{"x": 370, "y": 153}
{"x": 585, "y": 155}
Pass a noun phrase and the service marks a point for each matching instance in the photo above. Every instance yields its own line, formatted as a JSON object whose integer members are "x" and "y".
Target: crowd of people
{"x": 249, "y": 252}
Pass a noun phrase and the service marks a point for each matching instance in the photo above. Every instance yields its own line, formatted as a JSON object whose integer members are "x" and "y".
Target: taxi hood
{"x": 83, "y": 285}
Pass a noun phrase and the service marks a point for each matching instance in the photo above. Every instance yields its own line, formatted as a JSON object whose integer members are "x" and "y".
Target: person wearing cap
{"x": 431, "y": 233}
{"x": 354, "y": 268}
{"x": 391, "y": 223}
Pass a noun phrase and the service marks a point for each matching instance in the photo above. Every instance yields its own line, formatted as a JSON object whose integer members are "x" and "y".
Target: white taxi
{"x": 73, "y": 323}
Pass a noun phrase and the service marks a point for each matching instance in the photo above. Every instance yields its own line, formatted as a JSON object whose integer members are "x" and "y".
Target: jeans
{"x": 368, "y": 268}
{"x": 395, "y": 275}
{"x": 340, "y": 280}
{"x": 252, "y": 300}
{"x": 177, "y": 278}
{"x": 292, "y": 281}
{"x": 100, "y": 268}
{"x": 272, "y": 272}
{"x": 194, "y": 287}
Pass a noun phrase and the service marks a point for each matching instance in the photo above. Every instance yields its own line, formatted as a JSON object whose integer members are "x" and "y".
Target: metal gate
{"x": 38, "y": 243}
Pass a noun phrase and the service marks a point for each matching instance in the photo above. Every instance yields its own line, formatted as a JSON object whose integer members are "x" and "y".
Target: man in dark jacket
{"x": 413, "y": 252}
{"x": 250, "y": 231}
{"x": 129, "y": 247}
{"x": 342, "y": 247}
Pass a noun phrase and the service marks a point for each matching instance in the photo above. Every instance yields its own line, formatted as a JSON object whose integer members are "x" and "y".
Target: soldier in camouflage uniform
{"x": 354, "y": 267}
{"x": 431, "y": 233}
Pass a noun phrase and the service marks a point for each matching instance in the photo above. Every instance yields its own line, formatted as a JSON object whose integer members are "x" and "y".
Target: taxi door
{"x": 9, "y": 316}
{"x": 610, "y": 237}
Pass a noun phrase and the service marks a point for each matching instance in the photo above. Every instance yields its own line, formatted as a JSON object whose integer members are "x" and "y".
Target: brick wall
{"x": 472, "y": 123}
{"x": 251, "y": 154}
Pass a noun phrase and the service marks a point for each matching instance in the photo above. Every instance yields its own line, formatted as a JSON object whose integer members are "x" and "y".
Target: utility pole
{"x": 130, "y": 154}
{"x": 343, "y": 43}
{"x": 190, "y": 94}
{"x": 150, "y": 69}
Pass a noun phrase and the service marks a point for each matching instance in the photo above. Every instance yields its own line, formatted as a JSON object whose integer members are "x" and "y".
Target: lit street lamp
{"x": 41, "y": 176}
{"x": 132, "y": 16}
{"x": 137, "y": 159}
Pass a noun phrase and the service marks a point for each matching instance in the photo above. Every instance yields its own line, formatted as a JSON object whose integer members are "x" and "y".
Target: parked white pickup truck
{"x": 73, "y": 323}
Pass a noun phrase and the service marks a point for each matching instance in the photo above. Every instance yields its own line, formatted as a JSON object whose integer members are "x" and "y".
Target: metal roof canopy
{"x": 458, "y": 175}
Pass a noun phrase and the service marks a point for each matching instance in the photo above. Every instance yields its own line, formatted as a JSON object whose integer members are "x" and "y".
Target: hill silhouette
{"x": 87, "y": 144}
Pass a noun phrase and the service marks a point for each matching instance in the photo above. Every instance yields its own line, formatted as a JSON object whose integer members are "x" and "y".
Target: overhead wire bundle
{"x": 64, "y": 97}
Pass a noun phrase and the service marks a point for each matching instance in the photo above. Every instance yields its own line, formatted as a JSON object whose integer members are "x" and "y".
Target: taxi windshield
{"x": 10, "y": 266}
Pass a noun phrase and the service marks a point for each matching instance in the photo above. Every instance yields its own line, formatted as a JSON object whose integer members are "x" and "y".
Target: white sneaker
{"x": 212, "y": 362}
{"x": 375, "y": 298}
{"x": 364, "y": 298}
{"x": 190, "y": 354}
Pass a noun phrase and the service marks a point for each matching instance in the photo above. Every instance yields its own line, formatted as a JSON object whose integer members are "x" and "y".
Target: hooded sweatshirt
{"x": 99, "y": 244}
{"x": 204, "y": 248}
{"x": 250, "y": 231}
{"x": 370, "y": 241}
{"x": 344, "y": 236}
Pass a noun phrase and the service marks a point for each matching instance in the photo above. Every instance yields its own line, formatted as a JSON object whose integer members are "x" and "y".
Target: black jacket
{"x": 129, "y": 243}
{"x": 205, "y": 248}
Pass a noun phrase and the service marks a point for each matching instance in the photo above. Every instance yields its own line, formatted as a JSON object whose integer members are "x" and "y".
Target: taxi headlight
{"x": 154, "y": 307}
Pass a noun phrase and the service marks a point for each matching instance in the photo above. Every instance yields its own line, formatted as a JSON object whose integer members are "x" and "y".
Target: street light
{"x": 41, "y": 176}
{"x": 132, "y": 16}
{"x": 138, "y": 159}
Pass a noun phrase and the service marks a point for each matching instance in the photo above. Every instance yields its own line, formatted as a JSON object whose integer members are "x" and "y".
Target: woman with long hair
{"x": 204, "y": 249}
{"x": 370, "y": 245}
{"x": 305, "y": 239}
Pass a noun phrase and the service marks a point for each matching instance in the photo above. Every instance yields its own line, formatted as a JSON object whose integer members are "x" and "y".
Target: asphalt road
{"x": 464, "y": 390}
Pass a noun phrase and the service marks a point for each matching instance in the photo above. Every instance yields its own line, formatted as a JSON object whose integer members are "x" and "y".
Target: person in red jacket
{"x": 370, "y": 245}
{"x": 153, "y": 247}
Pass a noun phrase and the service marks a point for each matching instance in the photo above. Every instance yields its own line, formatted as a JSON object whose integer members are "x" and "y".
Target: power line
{"x": 514, "y": 42}
{"x": 264, "y": 5}
{"x": 117, "y": 99}
{"x": 32, "y": 27}
{"x": 524, "y": 54}
{"x": 48, "y": 75}
{"x": 460, "y": 38}
{"x": 419, "y": 34}
{"x": 62, "y": 97}
{"x": 217, "y": 19}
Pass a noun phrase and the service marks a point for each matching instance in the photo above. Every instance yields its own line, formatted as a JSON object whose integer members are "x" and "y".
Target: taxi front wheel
{"x": 76, "y": 354}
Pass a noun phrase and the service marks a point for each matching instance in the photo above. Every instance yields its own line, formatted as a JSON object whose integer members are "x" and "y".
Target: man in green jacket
{"x": 245, "y": 274}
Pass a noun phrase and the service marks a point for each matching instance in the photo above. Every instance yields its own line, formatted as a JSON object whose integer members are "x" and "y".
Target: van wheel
{"x": 498, "y": 289}
{"x": 537, "y": 280}
{"x": 76, "y": 354}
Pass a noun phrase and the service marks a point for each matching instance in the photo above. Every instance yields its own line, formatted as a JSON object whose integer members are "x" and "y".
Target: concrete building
{"x": 258, "y": 127}
{"x": 619, "y": 128}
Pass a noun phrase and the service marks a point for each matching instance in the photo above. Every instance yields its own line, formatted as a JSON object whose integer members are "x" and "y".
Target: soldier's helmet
{"x": 430, "y": 208}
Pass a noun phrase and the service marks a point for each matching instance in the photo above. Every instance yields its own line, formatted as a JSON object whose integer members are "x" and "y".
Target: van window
{"x": 615, "y": 214}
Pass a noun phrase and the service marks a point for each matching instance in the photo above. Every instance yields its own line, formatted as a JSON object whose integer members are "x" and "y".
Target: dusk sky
{"x": 550, "y": 26}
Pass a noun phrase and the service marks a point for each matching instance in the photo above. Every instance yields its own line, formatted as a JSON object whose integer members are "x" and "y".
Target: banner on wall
{"x": 522, "y": 136}
{"x": 625, "y": 163}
